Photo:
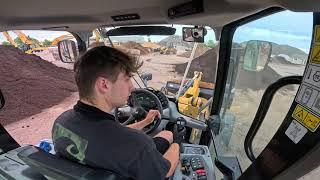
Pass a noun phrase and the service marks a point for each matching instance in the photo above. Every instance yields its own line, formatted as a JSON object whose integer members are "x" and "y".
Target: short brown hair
{"x": 102, "y": 61}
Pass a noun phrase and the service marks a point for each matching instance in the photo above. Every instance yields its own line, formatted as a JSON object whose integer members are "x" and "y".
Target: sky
{"x": 294, "y": 29}
{"x": 290, "y": 28}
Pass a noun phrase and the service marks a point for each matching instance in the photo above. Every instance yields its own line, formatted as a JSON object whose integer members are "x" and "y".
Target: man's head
{"x": 103, "y": 74}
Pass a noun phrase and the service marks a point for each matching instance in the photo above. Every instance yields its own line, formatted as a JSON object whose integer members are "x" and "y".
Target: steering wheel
{"x": 137, "y": 109}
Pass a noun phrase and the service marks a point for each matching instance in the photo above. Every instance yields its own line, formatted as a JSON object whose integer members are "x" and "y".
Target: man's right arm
{"x": 172, "y": 155}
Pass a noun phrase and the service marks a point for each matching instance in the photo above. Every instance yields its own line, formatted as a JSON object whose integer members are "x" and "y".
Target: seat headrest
{"x": 58, "y": 168}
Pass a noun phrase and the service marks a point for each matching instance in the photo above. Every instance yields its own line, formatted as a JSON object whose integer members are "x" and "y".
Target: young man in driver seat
{"x": 89, "y": 134}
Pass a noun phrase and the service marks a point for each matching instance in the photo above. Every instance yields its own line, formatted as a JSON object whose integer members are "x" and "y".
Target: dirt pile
{"x": 201, "y": 49}
{"x": 257, "y": 80}
{"x": 134, "y": 45}
{"x": 206, "y": 63}
{"x": 30, "y": 84}
{"x": 280, "y": 60}
{"x": 175, "y": 40}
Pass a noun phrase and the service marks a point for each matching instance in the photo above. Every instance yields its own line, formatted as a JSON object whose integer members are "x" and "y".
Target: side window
{"x": 263, "y": 51}
{"x": 37, "y": 86}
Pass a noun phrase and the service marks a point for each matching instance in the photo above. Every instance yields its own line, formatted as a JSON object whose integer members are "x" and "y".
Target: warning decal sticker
{"x": 315, "y": 54}
{"x": 317, "y": 34}
{"x": 306, "y": 118}
{"x": 296, "y": 131}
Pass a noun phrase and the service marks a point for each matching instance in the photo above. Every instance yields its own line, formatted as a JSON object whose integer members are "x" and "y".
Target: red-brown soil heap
{"x": 30, "y": 84}
{"x": 134, "y": 45}
{"x": 206, "y": 63}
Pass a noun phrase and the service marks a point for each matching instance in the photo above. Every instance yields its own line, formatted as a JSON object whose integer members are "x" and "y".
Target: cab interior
{"x": 282, "y": 157}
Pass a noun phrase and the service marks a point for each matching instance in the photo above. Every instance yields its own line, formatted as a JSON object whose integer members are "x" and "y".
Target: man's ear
{"x": 102, "y": 85}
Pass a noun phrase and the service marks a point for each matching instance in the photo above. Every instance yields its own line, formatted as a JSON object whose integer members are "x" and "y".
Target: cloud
{"x": 280, "y": 37}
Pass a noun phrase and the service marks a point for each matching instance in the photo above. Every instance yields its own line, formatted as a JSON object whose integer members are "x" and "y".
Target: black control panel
{"x": 194, "y": 167}
{"x": 195, "y": 164}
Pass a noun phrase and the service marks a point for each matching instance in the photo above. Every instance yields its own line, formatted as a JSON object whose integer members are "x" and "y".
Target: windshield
{"x": 166, "y": 57}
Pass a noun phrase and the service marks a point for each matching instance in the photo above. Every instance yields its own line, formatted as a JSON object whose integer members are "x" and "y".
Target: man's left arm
{"x": 145, "y": 122}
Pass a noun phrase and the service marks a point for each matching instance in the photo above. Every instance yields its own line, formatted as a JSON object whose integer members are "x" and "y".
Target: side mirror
{"x": 68, "y": 51}
{"x": 146, "y": 77}
{"x": 256, "y": 55}
{"x": 195, "y": 34}
{"x": 2, "y": 101}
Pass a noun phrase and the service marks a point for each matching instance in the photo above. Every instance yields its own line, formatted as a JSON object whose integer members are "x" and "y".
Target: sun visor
{"x": 141, "y": 30}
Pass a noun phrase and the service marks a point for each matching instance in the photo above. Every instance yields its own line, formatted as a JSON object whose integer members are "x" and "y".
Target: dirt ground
{"x": 32, "y": 129}
{"x": 244, "y": 107}
{"x": 162, "y": 68}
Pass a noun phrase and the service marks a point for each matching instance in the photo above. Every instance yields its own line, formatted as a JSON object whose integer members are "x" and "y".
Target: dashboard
{"x": 148, "y": 102}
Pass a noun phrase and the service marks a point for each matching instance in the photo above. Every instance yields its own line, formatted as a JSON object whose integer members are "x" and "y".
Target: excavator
{"x": 29, "y": 46}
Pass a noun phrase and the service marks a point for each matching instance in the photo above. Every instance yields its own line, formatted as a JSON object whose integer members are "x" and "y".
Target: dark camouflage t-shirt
{"x": 90, "y": 136}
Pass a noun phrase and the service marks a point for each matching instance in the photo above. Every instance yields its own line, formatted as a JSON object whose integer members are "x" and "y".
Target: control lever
{"x": 181, "y": 122}
{"x": 180, "y": 132}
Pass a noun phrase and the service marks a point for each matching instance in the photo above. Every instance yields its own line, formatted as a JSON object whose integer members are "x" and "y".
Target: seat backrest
{"x": 55, "y": 167}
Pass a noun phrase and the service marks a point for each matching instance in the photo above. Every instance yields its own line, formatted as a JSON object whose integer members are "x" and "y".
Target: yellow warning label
{"x": 316, "y": 38}
{"x": 306, "y": 118}
{"x": 315, "y": 54}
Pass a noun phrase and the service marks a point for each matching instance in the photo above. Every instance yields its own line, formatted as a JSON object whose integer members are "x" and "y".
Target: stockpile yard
{"x": 30, "y": 84}
{"x": 205, "y": 61}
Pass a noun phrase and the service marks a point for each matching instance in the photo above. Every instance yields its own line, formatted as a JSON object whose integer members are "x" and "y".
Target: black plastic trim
{"x": 263, "y": 110}
{"x": 224, "y": 60}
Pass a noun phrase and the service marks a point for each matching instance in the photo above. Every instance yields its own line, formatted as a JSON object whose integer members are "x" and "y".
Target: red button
{"x": 200, "y": 171}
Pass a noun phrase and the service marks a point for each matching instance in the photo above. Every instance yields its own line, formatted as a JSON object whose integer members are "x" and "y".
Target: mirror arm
{"x": 144, "y": 83}
{"x": 110, "y": 41}
{"x": 136, "y": 81}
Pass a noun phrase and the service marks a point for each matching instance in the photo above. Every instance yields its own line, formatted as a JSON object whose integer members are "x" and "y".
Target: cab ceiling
{"x": 86, "y": 15}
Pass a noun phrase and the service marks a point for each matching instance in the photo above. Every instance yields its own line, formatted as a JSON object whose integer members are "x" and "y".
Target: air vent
{"x": 189, "y": 8}
{"x": 56, "y": 27}
{"x": 125, "y": 17}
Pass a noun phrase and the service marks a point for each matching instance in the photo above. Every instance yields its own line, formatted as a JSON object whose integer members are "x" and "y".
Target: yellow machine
{"x": 11, "y": 41}
{"x": 168, "y": 49}
{"x": 190, "y": 103}
{"x": 60, "y": 38}
{"x": 98, "y": 36}
{"x": 30, "y": 46}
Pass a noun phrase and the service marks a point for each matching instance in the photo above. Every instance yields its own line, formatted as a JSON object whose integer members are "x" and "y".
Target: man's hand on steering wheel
{"x": 152, "y": 114}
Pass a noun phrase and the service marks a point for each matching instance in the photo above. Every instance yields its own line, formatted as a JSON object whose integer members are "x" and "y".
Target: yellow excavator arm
{"x": 24, "y": 38}
{"x": 60, "y": 38}
{"x": 32, "y": 46}
{"x": 11, "y": 41}
{"x": 97, "y": 34}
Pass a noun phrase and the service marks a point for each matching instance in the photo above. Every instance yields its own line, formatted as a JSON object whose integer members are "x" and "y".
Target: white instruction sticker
{"x": 296, "y": 131}
{"x": 312, "y": 75}
{"x": 309, "y": 97}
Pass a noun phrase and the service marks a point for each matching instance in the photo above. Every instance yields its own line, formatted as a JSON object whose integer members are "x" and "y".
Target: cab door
{"x": 289, "y": 131}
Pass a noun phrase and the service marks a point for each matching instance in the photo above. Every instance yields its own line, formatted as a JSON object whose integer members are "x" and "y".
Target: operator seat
{"x": 54, "y": 167}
